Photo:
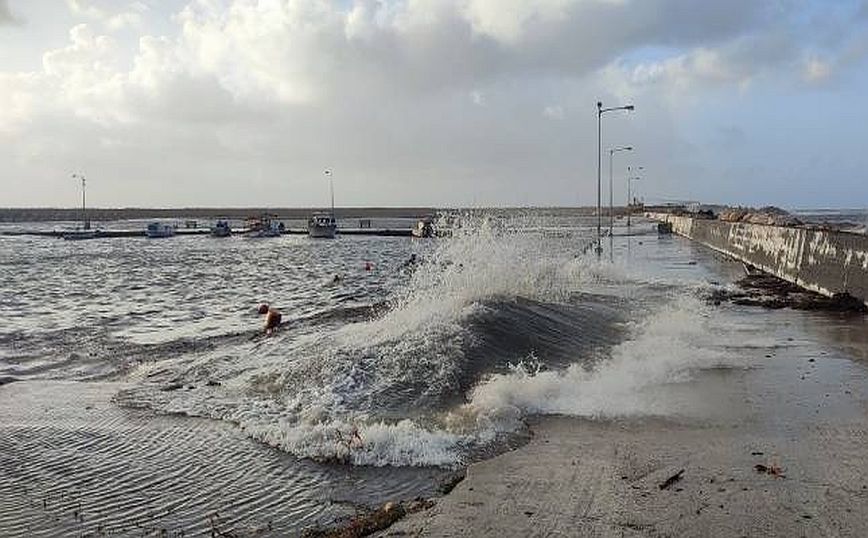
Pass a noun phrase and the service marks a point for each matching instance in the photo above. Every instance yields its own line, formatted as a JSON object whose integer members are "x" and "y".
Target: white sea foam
{"x": 664, "y": 349}
{"x": 320, "y": 396}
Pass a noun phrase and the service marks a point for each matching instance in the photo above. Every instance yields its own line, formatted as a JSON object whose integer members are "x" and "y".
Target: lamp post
{"x": 612, "y": 152}
{"x": 630, "y": 180}
{"x": 328, "y": 174}
{"x": 600, "y": 112}
{"x": 84, "y": 223}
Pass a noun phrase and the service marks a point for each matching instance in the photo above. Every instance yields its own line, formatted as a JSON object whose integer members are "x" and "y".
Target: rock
{"x": 769, "y": 216}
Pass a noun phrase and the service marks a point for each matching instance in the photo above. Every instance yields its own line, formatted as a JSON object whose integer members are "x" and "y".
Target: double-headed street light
{"x": 612, "y": 152}
{"x": 630, "y": 180}
{"x": 600, "y": 112}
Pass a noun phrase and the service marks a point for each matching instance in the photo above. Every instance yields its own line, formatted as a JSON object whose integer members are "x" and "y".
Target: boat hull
{"x": 322, "y": 232}
{"x": 155, "y": 230}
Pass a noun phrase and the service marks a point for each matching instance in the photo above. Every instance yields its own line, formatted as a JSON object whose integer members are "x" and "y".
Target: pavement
{"x": 775, "y": 448}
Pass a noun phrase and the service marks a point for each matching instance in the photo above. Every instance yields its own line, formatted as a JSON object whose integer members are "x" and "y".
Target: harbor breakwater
{"x": 827, "y": 262}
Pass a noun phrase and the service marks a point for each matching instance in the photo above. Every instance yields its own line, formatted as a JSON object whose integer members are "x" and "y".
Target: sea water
{"x": 145, "y": 396}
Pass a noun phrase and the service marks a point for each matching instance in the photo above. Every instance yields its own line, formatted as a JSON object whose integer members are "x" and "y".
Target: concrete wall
{"x": 822, "y": 261}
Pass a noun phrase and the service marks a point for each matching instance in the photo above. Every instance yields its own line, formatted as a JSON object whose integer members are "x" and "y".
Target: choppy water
{"x": 377, "y": 387}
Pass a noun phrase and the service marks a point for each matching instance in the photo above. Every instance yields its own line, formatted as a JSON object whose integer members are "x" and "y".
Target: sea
{"x": 139, "y": 395}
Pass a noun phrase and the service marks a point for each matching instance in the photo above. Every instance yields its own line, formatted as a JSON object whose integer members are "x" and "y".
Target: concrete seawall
{"x": 823, "y": 261}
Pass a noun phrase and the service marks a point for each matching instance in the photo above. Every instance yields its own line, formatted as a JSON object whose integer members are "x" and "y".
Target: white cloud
{"x": 111, "y": 20}
{"x": 388, "y": 88}
{"x": 508, "y": 21}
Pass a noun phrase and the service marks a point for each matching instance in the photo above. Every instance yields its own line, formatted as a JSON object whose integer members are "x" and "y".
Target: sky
{"x": 179, "y": 103}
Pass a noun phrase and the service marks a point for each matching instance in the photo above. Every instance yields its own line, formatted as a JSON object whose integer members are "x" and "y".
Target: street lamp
{"x": 600, "y": 112}
{"x": 630, "y": 180}
{"x": 612, "y": 152}
{"x": 84, "y": 223}
{"x": 328, "y": 174}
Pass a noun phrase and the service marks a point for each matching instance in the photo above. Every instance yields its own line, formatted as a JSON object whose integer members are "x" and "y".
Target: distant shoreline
{"x": 44, "y": 214}
{"x": 48, "y": 214}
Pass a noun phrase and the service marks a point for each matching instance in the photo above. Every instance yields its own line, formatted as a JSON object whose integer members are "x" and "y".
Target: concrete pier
{"x": 827, "y": 262}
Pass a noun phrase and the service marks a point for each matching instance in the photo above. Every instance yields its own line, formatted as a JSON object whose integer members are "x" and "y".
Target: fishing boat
{"x": 324, "y": 225}
{"x": 221, "y": 228}
{"x": 270, "y": 228}
{"x": 157, "y": 230}
{"x": 263, "y": 226}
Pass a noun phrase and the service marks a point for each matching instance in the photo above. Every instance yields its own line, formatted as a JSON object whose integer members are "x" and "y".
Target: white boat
{"x": 221, "y": 228}
{"x": 158, "y": 230}
{"x": 322, "y": 225}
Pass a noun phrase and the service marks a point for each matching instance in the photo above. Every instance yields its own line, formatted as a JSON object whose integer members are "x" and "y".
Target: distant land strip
{"x": 45, "y": 214}
{"x": 48, "y": 214}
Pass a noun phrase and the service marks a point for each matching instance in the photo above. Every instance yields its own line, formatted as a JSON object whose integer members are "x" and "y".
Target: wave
{"x": 665, "y": 348}
{"x": 497, "y": 322}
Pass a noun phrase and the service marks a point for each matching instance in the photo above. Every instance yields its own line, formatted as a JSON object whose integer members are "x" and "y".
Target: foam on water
{"x": 664, "y": 349}
{"x": 401, "y": 389}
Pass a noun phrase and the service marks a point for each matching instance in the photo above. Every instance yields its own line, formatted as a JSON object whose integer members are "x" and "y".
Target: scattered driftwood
{"x": 672, "y": 480}
{"x": 773, "y": 470}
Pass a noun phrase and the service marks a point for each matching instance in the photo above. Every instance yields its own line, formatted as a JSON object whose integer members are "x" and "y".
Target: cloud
{"x": 6, "y": 16}
{"x": 111, "y": 20}
{"x": 412, "y": 101}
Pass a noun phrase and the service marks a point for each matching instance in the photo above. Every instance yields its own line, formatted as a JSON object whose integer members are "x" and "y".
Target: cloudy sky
{"x": 431, "y": 102}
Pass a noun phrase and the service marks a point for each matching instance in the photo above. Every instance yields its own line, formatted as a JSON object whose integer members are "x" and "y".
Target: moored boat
{"x": 264, "y": 226}
{"x": 157, "y": 230}
{"x": 269, "y": 229}
{"x": 221, "y": 228}
{"x": 322, "y": 226}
